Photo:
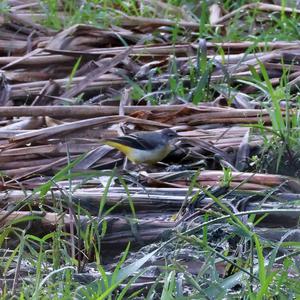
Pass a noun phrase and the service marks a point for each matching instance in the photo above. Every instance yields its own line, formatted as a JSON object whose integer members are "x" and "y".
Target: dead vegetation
{"x": 61, "y": 92}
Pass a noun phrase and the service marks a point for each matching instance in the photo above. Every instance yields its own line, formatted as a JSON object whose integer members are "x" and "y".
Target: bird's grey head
{"x": 169, "y": 134}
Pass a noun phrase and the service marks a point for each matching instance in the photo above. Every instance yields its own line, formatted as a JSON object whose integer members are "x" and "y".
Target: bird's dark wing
{"x": 133, "y": 142}
{"x": 149, "y": 140}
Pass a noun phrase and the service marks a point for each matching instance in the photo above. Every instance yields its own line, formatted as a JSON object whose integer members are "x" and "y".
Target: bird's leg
{"x": 125, "y": 166}
{"x": 163, "y": 164}
{"x": 125, "y": 163}
{"x": 140, "y": 167}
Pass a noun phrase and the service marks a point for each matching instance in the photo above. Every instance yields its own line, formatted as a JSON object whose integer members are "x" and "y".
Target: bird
{"x": 145, "y": 147}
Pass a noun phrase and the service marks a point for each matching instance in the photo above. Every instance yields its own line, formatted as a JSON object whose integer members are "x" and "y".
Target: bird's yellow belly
{"x": 149, "y": 157}
{"x": 142, "y": 156}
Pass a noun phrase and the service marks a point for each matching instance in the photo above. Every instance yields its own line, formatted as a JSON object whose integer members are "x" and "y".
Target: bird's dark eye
{"x": 172, "y": 134}
{"x": 169, "y": 133}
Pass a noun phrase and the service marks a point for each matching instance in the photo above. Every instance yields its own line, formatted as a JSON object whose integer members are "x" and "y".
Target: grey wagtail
{"x": 145, "y": 147}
